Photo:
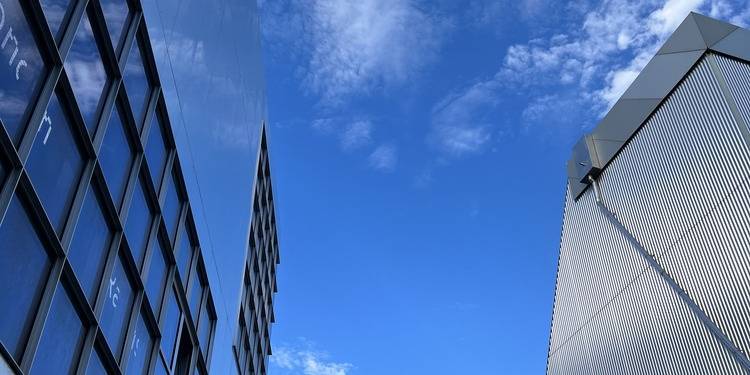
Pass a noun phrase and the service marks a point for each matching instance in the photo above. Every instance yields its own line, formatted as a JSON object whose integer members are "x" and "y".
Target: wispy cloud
{"x": 458, "y": 127}
{"x": 384, "y": 158}
{"x": 307, "y": 362}
{"x": 350, "y": 48}
{"x": 356, "y": 135}
{"x": 582, "y": 67}
{"x": 352, "y": 134}
{"x": 605, "y": 51}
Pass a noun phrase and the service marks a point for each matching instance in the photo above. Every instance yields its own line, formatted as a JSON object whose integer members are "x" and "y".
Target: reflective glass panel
{"x": 140, "y": 348}
{"x": 136, "y": 82}
{"x": 138, "y": 224}
{"x": 55, "y": 12}
{"x": 62, "y": 338}
{"x": 24, "y": 264}
{"x": 116, "y": 156}
{"x": 195, "y": 294}
{"x": 204, "y": 329}
{"x": 55, "y": 164}
{"x": 161, "y": 368}
{"x": 21, "y": 69}
{"x": 95, "y": 365}
{"x": 88, "y": 249}
{"x": 86, "y": 73}
{"x": 171, "y": 209}
{"x": 156, "y": 151}
{"x": 157, "y": 277}
{"x": 169, "y": 325}
{"x": 117, "y": 305}
{"x": 184, "y": 255}
{"x": 115, "y": 13}
{"x": 3, "y": 170}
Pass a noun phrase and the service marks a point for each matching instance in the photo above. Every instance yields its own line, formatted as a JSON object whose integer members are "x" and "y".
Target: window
{"x": 116, "y": 156}
{"x": 157, "y": 276}
{"x": 242, "y": 349}
{"x": 86, "y": 72}
{"x": 95, "y": 365}
{"x": 156, "y": 151}
{"x": 160, "y": 368}
{"x": 21, "y": 69}
{"x": 56, "y": 12}
{"x": 140, "y": 348}
{"x": 204, "y": 328}
{"x": 184, "y": 255}
{"x": 117, "y": 305}
{"x": 185, "y": 351}
{"x": 55, "y": 164}
{"x": 62, "y": 339}
{"x": 3, "y": 170}
{"x": 171, "y": 209}
{"x": 136, "y": 83}
{"x": 115, "y": 13}
{"x": 138, "y": 224}
{"x": 170, "y": 324}
{"x": 195, "y": 293}
{"x": 24, "y": 264}
{"x": 90, "y": 244}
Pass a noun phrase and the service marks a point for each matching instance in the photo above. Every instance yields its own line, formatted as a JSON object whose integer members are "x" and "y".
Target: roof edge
{"x": 693, "y": 38}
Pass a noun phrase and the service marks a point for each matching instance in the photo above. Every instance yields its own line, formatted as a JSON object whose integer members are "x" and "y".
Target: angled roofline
{"x": 696, "y": 36}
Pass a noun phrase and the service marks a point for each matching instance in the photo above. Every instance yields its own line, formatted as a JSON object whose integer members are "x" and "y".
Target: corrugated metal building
{"x": 654, "y": 268}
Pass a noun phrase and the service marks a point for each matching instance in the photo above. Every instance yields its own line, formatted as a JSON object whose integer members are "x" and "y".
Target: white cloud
{"x": 607, "y": 49}
{"x": 384, "y": 158}
{"x": 324, "y": 125}
{"x": 352, "y": 47}
{"x": 356, "y": 135}
{"x": 666, "y": 19}
{"x": 307, "y": 362}
{"x": 581, "y": 68}
{"x": 458, "y": 127}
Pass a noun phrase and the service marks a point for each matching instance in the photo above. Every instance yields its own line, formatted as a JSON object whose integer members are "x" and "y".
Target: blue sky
{"x": 418, "y": 150}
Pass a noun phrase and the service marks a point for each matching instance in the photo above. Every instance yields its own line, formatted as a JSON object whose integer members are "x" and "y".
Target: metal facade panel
{"x": 596, "y": 263}
{"x": 712, "y": 264}
{"x": 712, "y": 260}
{"x": 681, "y": 186}
{"x": 696, "y": 36}
{"x": 685, "y": 160}
{"x": 647, "y": 329}
{"x": 735, "y": 44}
{"x": 737, "y": 75}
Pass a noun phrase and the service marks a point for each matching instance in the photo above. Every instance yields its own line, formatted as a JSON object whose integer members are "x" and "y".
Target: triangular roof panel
{"x": 695, "y": 36}
{"x": 687, "y": 37}
{"x": 736, "y": 44}
{"x": 712, "y": 30}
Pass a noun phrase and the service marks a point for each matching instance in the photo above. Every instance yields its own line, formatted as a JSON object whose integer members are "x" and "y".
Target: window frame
{"x": 53, "y": 80}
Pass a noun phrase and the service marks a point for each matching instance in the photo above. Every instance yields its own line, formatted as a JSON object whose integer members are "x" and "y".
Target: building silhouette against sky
{"x": 137, "y": 230}
{"x": 654, "y": 267}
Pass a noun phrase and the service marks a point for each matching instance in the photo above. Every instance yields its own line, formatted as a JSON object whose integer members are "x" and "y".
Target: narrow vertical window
{"x": 25, "y": 265}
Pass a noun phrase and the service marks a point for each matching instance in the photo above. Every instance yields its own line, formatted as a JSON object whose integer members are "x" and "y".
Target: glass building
{"x": 654, "y": 263}
{"x": 137, "y": 227}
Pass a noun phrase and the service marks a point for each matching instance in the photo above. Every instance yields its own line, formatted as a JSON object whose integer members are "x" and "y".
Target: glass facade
{"x": 87, "y": 228}
{"x": 208, "y": 55}
{"x": 253, "y": 338}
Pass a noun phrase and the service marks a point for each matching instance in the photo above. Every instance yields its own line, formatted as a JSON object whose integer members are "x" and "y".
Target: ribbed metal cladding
{"x": 671, "y": 179}
{"x": 686, "y": 159}
{"x": 596, "y": 264}
{"x": 681, "y": 187}
{"x": 645, "y": 330}
{"x": 737, "y": 75}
